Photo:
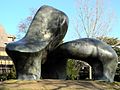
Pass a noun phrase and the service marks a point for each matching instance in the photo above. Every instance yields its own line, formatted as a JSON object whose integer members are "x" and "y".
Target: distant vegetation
{"x": 7, "y": 76}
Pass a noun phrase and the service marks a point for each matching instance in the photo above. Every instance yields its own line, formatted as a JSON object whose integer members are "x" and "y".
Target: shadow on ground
{"x": 49, "y": 84}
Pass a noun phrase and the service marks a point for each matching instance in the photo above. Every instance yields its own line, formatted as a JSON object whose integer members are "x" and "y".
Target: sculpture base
{"x": 50, "y": 84}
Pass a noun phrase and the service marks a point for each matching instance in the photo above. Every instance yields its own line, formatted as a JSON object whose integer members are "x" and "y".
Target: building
{"x": 5, "y": 61}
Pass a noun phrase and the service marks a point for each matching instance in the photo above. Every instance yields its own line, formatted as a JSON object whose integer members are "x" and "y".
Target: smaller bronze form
{"x": 96, "y": 53}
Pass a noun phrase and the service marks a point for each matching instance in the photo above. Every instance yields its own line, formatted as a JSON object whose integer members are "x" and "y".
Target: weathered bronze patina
{"x": 45, "y": 33}
{"x": 40, "y": 50}
{"x": 98, "y": 54}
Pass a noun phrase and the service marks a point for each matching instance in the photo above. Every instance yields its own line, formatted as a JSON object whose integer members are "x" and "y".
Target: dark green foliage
{"x": 72, "y": 72}
{"x": 117, "y": 75}
{"x": 117, "y": 50}
{"x": 3, "y": 76}
{"x": 7, "y": 76}
{"x": 84, "y": 73}
{"x": 12, "y": 74}
{"x": 74, "y": 69}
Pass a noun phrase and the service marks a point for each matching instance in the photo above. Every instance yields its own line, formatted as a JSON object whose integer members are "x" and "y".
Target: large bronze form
{"x": 40, "y": 50}
{"x": 45, "y": 33}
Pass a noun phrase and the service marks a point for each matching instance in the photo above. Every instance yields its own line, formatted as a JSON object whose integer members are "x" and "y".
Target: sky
{"x": 12, "y": 12}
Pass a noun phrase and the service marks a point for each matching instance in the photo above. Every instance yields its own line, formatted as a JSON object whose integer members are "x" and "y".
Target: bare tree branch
{"x": 94, "y": 18}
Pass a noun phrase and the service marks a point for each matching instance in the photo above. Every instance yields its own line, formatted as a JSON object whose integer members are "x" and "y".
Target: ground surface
{"x": 58, "y": 85}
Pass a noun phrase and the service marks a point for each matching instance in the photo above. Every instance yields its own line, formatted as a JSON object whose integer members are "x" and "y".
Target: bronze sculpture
{"x": 46, "y": 31}
{"x": 96, "y": 53}
{"x": 41, "y": 46}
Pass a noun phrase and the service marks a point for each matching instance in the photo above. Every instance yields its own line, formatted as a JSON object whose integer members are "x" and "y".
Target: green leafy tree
{"x": 73, "y": 69}
{"x": 3, "y": 76}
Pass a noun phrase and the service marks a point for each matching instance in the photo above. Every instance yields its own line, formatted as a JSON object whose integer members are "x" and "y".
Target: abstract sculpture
{"x": 96, "y": 53}
{"x": 40, "y": 50}
{"x": 45, "y": 33}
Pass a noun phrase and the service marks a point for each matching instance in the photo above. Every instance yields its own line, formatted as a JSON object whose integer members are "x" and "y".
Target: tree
{"x": 3, "y": 76}
{"x": 12, "y": 74}
{"x": 77, "y": 69}
{"x": 73, "y": 68}
{"x": 7, "y": 76}
{"x": 94, "y": 19}
{"x": 24, "y": 24}
{"x": 109, "y": 40}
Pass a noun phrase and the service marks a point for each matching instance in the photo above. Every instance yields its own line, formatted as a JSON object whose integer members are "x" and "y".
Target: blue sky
{"x": 14, "y": 11}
